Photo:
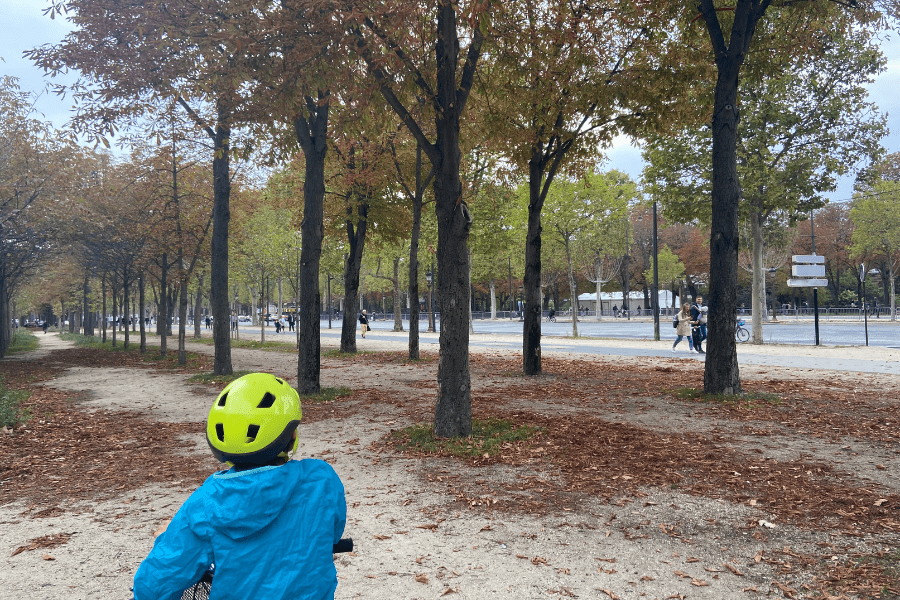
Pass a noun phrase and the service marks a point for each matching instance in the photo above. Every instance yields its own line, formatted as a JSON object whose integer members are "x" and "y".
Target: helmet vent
{"x": 267, "y": 401}
{"x": 252, "y": 432}
{"x": 220, "y": 432}
{"x": 279, "y": 380}
{"x": 222, "y": 399}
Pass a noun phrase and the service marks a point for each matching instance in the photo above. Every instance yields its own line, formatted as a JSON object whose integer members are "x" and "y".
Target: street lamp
{"x": 429, "y": 277}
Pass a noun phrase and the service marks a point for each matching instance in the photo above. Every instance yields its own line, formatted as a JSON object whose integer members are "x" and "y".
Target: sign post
{"x": 808, "y": 270}
{"x": 862, "y": 302}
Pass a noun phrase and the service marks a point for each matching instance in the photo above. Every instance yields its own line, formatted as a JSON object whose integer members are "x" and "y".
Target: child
{"x": 268, "y": 523}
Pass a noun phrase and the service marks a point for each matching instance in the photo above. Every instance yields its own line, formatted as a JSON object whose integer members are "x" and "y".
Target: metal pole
{"x": 812, "y": 230}
{"x": 511, "y": 300}
{"x": 865, "y": 308}
{"x": 329, "y": 301}
{"x": 655, "y": 302}
{"x": 625, "y": 291}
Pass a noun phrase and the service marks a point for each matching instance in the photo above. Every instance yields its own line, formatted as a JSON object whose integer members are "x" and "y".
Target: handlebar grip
{"x": 344, "y": 545}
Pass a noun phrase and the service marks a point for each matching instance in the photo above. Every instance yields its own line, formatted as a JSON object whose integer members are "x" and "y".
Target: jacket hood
{"x": 243, "y": 503}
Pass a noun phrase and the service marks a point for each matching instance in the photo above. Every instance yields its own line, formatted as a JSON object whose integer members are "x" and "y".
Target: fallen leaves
{"x": 421, "y": 578}
{"x": 45, "y": 542}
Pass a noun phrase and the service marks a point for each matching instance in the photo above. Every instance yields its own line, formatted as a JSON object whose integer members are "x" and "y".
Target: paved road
{"x": 832, "y": 333}
{"x": 885, "y": 334}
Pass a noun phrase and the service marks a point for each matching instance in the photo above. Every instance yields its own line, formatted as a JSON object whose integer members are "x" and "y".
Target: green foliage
{"x": 488, "y": 437}
{"x": 12, "y": 413}
{"x": 876, "y": 217}
{"x": 670, "y": 267}
{"x": 799, "y": 130}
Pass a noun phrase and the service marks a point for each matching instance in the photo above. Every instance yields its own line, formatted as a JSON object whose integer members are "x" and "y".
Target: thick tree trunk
{"x": 312, "y": 135}
{"x": 722, "y": 375}
{"x": 759, "y": 277}
{"x": 218, "y": 279}
{"x": 453, "y": 411}
{"x": 531, "y": 332}
{"x": 115, "y": 314}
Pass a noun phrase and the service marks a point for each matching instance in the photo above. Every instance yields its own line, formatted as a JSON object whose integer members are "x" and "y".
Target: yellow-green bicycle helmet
{"x": 253, "y": 419}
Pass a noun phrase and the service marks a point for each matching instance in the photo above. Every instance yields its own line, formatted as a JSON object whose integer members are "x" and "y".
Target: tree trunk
{"x": 493, "y": 300}
{"x": 103, "y": 318}
{"x": 573, "y": 292}
{"x": 893, "y": 295}
{"x": 356, "y": 239}
{"x": 115, "y": 315}
{"x": 142, "y": 307}
{"x": 531, "y": 329}
{"x": 722, "y": 375}
{"x": 125, "y": 317}
{"x": 758, "y": 288}
{"x": 218, "y": 279}
{"x": 198, "y": 303}
{"x": 88, "y": 329}
{"x": 162, "y": 320}
{"x": 182, "y": 311}
{"x": 312, "y": 135}
{"x": 398, "y": 309}
{"x": 414, "y": 262}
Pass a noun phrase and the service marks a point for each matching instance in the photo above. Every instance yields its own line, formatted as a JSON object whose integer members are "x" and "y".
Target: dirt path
{"x": 425, "y": 528}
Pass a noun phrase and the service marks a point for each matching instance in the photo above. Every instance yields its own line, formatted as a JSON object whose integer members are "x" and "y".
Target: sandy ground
{"x": 411, "y": 541}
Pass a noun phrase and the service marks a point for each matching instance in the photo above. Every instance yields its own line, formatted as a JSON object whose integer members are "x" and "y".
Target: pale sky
{"x": 25, "y": 26}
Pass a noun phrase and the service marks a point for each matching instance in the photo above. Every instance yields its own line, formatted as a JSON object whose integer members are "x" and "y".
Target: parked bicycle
{"x": 740, "y": 333}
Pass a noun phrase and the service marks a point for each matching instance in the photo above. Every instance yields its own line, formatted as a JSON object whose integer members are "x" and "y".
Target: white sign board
{"x": 813, "y": 259}
{"x": 807, "y": 282}
{"x": 808, "y": 270}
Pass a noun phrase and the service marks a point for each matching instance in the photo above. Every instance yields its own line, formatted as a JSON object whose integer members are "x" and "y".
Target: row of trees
{"x": 547, "y": 82}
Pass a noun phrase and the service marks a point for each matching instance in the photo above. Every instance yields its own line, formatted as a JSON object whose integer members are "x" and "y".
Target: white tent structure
{"x": 588, "y": 301}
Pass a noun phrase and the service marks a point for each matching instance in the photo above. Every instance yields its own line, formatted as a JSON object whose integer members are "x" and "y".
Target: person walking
{"x": 684, "y": 326}
{"x": 698, "y": 316}
{"x": 363, "y": 323}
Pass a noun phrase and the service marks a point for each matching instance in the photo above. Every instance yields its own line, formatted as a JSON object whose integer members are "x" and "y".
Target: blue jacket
{"x": 269, "y": 531}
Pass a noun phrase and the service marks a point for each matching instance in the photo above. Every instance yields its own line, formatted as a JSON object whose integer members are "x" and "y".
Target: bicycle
{"x": 551, "y": 318}
{"x": 740, "y": 333}
{"x": 201, "y": 589}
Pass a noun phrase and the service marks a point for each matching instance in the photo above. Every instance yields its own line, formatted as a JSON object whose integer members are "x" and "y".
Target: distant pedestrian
{"x": 208, "y": 322}
{"x": 698, "y": 316}
{"x": 234, "y": 322}
{"x": 684, "y": 326}
{"x": 363, "y": 323}
{"x": 45, "y": 326}
{"x": 290, "y": 322}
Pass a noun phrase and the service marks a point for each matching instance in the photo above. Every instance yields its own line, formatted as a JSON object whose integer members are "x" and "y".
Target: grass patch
{"x": 325, "y": 395}
{"x": 22, "y": 341}
{"x": 12, "y": 413}
{"x": 488, "y": 437}
{"x": 95, "y": 341}
{"x": 219, "y": 380}
{"x": 336, "y": 353}
{"x": 745, "y": 399}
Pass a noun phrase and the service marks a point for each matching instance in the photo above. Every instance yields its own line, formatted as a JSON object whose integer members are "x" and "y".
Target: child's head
{"x": 254, "y": 421}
